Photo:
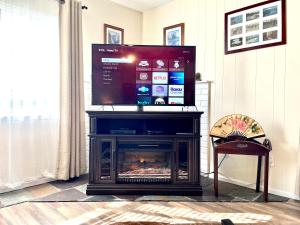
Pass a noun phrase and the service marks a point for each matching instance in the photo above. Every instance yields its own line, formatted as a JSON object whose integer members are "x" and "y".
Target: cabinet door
{"x": 104, "y": 160}
{"x": 183, "y": 158}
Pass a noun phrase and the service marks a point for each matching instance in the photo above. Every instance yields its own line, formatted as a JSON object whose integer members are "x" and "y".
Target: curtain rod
{"x": 82, "y": 7}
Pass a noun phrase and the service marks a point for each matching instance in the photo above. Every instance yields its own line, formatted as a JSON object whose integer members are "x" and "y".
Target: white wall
{"x": 263, "y": 84}
{"x": 93, "y": 19}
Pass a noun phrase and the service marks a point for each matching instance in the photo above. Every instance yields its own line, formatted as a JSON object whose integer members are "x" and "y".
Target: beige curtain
{"x": 72, "y": 148}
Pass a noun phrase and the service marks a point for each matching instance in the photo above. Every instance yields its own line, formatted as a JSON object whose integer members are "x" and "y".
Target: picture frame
{"x": 113, "y": 34}
{"x": 174, "y": 35}
{"x": 256, "y": 26}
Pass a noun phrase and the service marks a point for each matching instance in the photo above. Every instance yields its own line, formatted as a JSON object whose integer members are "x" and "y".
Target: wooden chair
{"x": 236, "y": 134}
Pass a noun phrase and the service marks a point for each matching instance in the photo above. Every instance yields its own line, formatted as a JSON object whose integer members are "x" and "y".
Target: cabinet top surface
{"x": 135, "y": 113}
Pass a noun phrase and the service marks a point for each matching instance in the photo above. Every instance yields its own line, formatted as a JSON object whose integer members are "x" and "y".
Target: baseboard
{"x": 26, "y": 184}
{"x": 252, "y": 186}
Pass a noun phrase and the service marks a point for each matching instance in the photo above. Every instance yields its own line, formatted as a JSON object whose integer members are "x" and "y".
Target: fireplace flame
{"x": 142, "y": 160}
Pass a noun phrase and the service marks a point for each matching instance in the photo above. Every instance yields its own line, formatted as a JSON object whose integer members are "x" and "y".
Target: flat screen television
{"x": 143, "y": 75}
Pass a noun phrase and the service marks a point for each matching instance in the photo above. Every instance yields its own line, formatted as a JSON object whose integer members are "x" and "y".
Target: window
{"x": 29, "y": 90}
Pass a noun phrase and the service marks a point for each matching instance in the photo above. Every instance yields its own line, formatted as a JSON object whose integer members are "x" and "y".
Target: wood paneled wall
{"x": 263, "y": 83}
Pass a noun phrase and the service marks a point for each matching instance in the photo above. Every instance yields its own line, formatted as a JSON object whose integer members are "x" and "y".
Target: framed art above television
{"x": 256, "y": 26}
{"x": 174, "y": 35}
{"x": 113, "y": 35}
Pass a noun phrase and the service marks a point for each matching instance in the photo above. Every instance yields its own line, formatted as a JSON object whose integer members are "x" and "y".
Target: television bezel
{"x": 149, "y": 105}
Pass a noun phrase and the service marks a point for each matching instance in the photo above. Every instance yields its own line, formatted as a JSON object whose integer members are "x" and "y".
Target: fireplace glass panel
{"x": 106, "y": 148}
{"x": 144, "y": 163}
{"x": 183, "y": 162}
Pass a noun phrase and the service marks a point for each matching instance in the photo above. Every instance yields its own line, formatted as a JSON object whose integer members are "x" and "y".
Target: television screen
{"x": 143, "y": 75}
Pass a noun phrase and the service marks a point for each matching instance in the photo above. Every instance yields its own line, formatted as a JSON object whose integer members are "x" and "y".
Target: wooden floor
{"x": 101, "y": 213}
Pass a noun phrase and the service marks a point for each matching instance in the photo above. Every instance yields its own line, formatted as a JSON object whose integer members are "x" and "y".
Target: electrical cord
{"x": 207, "y": 185}
{"x": 218, "y": 166}
{"x": 203, "y": 186}
{"x": 247, "y": 186}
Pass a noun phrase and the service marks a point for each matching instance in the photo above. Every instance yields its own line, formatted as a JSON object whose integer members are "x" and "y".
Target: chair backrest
{"x": 237, "y": 125}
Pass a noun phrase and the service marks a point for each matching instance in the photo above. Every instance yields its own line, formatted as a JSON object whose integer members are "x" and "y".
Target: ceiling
{"x": 141, "y": 5}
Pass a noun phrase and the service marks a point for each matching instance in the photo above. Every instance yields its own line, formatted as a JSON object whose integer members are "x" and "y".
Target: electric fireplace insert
{"x": 144, "y": 162}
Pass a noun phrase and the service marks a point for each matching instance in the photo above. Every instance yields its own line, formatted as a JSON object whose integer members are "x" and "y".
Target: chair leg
{"x": 216, "y": 173}
{"x": 266, "y": 178}
{"x": 258, "y": 173}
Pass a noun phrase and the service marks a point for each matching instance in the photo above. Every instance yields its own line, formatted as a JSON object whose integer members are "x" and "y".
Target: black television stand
{"x": 144, "y": 153}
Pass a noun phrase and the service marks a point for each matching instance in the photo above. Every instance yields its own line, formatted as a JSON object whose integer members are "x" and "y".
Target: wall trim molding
{"x": 27, "y": 184}
{"x": 252, "y": 186}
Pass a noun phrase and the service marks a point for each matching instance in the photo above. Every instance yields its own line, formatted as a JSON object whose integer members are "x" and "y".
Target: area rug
{"x": 155, "y": 223}
{"x": 74, "y": 190}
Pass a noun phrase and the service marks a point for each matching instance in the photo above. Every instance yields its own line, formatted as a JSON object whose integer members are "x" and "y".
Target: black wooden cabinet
{"x": 144, "y": 153}
{"x": 103, "y": 159}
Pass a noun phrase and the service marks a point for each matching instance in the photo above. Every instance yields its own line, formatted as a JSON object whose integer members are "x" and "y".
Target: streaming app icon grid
{"x": 159, "y": 83}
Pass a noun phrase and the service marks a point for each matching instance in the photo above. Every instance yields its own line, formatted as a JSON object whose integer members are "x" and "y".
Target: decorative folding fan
{"x": 237, "y": 125}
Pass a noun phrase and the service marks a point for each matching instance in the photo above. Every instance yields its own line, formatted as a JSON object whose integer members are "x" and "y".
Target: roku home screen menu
{"x": 143, "y": 75}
